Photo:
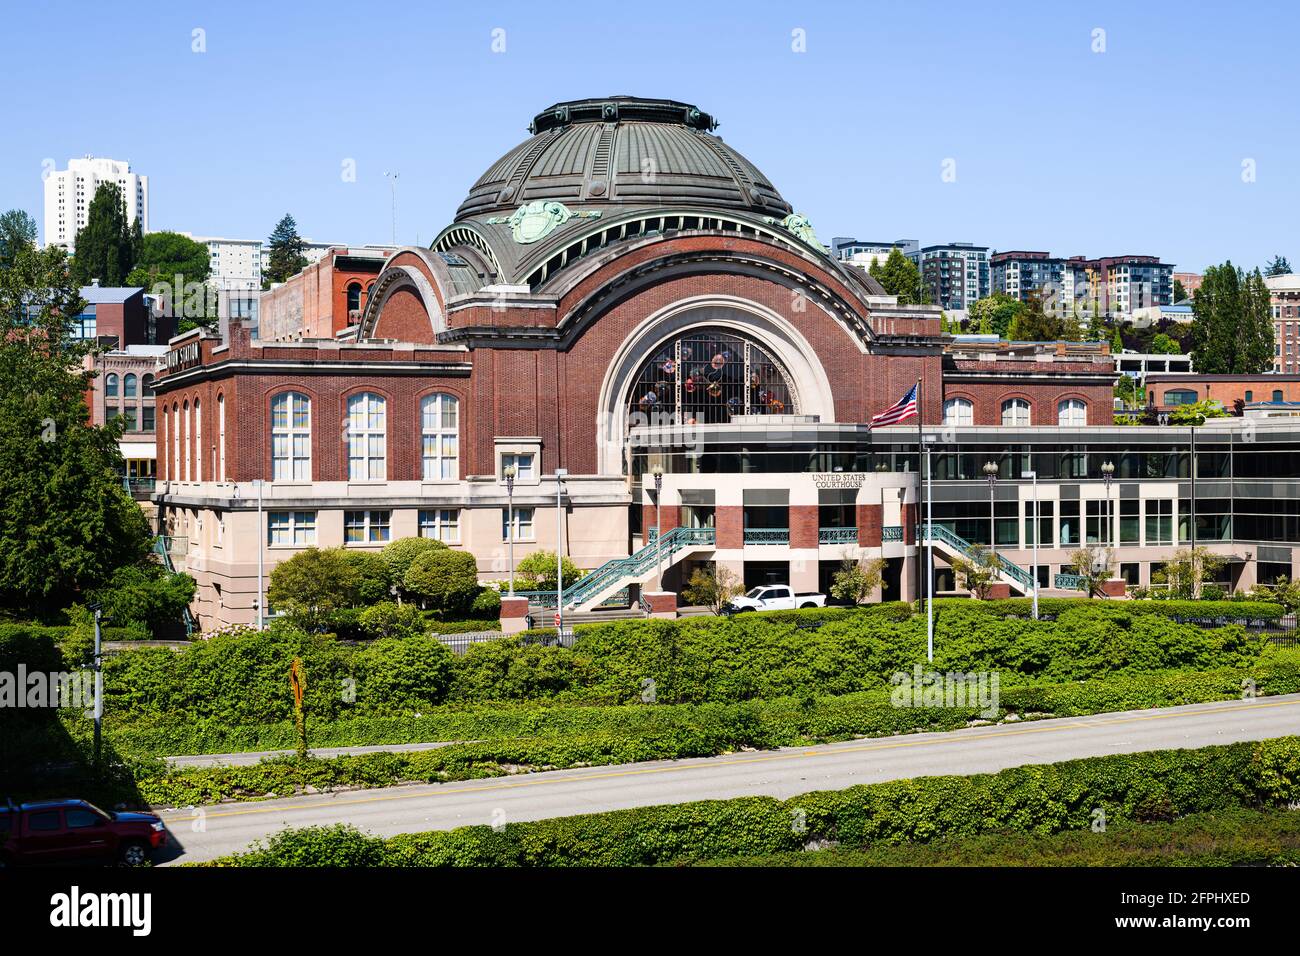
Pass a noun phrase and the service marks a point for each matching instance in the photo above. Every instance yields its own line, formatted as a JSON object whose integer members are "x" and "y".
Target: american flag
{"x": 901, "y": 411}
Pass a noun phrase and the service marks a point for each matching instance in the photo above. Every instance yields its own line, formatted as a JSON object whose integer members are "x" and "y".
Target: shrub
{"x": 486, "y": 605}
{"x": 373, "y": 578}
{"x": 443, "y": 579}
{"x": 313, "y": 584}
{"x": 537, "y": 572}
{"x": 400, "y": 553}
{"x": 338, "y": 845}
{"x": 146, "y": 597}
{"x": 389, "y": 619}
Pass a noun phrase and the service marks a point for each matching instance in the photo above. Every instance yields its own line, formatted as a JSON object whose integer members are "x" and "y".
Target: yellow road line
{"x": 832, "y": 750}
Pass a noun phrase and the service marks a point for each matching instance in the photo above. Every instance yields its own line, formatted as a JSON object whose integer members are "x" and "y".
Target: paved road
{"x": 778, "y": 773}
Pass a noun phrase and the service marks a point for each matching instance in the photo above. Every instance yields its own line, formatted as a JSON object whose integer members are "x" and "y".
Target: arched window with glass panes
{"x": 367, "y": 437}
{"x": 290, "y": 437}
{"x": 440, "y": 437}
{"x": 1072, "y": 411}
{"x": 707, "y": 376}
{"x": 1015, "y": 411}
{"x": 958, "y": 411}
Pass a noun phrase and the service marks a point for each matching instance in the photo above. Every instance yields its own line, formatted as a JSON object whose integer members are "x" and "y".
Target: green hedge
{"x": 1217, "y": 612}
{"x": 566, "y": 737}
{"x": 778, "y": 722}
{"x": 1234, "y": 838}
{"x": 1045, "y": 799}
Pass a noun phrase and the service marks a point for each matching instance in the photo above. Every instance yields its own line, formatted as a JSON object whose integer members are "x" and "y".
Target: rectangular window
{"x": 523, "y": 464}
{"x": 147, "y": 420}
{"x": 132, "y": 422}
{"x": 523, "y": 524}
{"x": 366, "y": 527}
{"x": 441, "y": 524}
{"x": 1160, "y": 521}
{"x": 289, "y": 528}
{"x": 1045, "y": 509}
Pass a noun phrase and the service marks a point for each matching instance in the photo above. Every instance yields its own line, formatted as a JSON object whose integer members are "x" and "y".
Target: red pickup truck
{"x": 65, "y": 831}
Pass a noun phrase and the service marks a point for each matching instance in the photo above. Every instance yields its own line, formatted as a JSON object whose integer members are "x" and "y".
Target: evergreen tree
{"x": 1232, "y": 325}
{"x": 1180, "y": 291}
{"x": 1278, "y": 266}
{"x": 900, "y": 277}
{"x": 66, "y": 523}
{"x": 105, "y": 245}
{"x": 286, "y": 257}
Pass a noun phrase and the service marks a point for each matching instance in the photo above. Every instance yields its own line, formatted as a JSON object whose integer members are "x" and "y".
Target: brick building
{"x": 322, "y": 300}
{"x": 621, "y": 301}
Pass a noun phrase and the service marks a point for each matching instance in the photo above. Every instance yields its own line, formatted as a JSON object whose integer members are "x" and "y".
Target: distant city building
{"x": 1019, "y": 273}
{"x": 1284, "y": 301}
{"x": 1141, "y": 364}
{"x": 1114, "y": 285}
{"x": 861, "y": 252}
{"x": 69, "y": 192}
{"x": 1167, "y": 391}
{"x": 956, "y": 274}
{"x": 1191, "y": 281}
{"x": 1155, "y": 314}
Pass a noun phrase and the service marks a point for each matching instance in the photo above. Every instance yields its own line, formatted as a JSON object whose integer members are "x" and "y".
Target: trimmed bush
{"x": 445, "y": 580}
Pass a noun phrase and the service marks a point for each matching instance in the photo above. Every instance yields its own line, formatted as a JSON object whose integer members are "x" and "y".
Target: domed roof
{"x": 623, "y": 149}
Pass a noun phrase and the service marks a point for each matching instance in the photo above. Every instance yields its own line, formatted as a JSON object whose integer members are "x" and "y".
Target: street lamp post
{"x": 929, "y": 552}
{"x": 991, "y": 472}
{"x": 1107, "y": 473}
{"x": 659, "y": 527}
{"x": 1037, "y": 529}
{"x": 560, "y": 475}
{"x": 261, "y": 547}
{"x": 510, "y": 523}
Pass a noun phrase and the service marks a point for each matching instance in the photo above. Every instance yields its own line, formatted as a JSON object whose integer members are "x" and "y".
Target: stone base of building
{"x": 999, "y": 590}
{"x": 663, "y": 604}
{"x": 514, "y": 614}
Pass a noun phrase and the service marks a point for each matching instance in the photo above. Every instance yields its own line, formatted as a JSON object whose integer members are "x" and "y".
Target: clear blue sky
{"x": 1135, "y": 150}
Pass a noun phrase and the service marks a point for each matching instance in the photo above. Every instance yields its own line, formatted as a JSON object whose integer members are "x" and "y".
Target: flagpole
{"x": 920, "y": 489}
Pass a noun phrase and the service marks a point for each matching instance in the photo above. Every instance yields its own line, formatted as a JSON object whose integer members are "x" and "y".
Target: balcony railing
{"x": 767, "y": 536}
{"x": 139, "y": 487}
{"x": 1070, "y": 582}
{"x": 837, "y": 536}
{"x": 891, "y": 532}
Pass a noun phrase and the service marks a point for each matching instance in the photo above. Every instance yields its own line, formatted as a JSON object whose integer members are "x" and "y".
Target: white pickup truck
{"x": 773, "y": 597}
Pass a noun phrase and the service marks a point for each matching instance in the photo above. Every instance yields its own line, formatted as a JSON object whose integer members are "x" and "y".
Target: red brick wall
{"x": 870, "y": 522}
{"x": 803, "y": 526}
{"x": 731, "y": 526}
{"x": 671, "y": 518}
{"x": 987, "y": 398}
{"x": 405, "y": 318}
{"x": 909, "y": 523}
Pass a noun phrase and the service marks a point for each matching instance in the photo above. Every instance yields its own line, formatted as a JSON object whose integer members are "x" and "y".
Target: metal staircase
{"x": 160, "y": 547}
{"x": 949, "y": 543}
{"x": 613, "y": 575}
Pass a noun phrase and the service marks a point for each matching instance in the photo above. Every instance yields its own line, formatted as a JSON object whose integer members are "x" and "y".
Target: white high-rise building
{"x": 68, "y": 194}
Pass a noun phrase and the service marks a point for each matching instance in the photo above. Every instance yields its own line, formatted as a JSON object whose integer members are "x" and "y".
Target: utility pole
{"x": 99, "y": 687}
{"x": 659, "y": 527}
{"x": 1037, "y": 528}
{"x": 261, "y": 547}
{"x": 510, "y": 523}
{"x": 929, "y": 550}
{"x": 392, "y": 183}
{"x": 560, "y": 475}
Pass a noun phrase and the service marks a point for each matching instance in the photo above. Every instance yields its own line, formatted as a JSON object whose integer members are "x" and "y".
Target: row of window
{"x": 298, "y": 528}
{"x": 367, "y": 437}
{"x": 137, "y": 420}
{"x": 1015, "y": 411}
{"x": 129, "y": 384}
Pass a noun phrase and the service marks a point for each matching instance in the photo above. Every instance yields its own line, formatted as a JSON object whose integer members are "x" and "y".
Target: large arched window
{"x": 354, "y": 297}
{"x": 198, "y": 441}
{"x": 291, "y": 437}
{"x": 186, "y": 448}
{"x": 440, "y": 437}
{"x": 128, "y": 386}
{"x": 146, "y": 384}
{"x": 709, "y": 375}
{"x": 1180, "y": 396}
{"x": 1015, "y": 411}
{"x": 367, "y": 437}
{"x": 221, "y": 438}
{"x": 958, "y": 411}
{"x": 1072, "y": 411}
{"x": 110, "y": 385}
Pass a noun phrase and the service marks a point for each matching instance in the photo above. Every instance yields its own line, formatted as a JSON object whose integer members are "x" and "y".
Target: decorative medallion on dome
{"x": 800, "y": 227}
{"x": 538, "y": 219}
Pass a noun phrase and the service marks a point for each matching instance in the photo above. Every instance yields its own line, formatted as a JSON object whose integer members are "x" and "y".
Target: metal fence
{"x": 546, "y": 637}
